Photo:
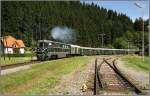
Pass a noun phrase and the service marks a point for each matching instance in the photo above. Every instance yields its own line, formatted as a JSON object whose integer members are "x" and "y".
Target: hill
{"x": 32, "y": 21}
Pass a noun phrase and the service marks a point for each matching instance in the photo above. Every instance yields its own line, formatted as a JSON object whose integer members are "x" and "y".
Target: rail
{"x": 4, "y": 67}
{"x": 137, "y": 90}
{"x": 97, "y": 76}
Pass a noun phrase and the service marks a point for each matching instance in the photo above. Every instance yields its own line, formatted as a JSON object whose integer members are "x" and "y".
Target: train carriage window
{"x": 59, "y": 49}
{"x": 56, "y": 49}
{"x": 53, "y": 50}
{"x": 63, "y": 46}
{"x": 49, "y": 49}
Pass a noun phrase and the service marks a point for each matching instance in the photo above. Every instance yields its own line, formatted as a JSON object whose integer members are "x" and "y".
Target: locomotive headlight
{"x": 49, "y": 43}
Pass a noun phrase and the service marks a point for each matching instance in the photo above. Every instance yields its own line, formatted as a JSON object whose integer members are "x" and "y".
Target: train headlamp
{"x": 49, "y": 43}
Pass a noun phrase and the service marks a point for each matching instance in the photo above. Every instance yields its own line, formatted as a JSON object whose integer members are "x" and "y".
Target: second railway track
{"x": 4, "y": 67}
{"x": 108, "y": 80}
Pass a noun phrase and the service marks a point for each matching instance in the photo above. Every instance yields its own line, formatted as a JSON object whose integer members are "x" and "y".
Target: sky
{"x": 125, "y": 6}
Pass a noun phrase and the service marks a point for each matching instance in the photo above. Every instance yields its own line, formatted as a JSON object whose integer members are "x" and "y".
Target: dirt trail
{"x": 18, "y": 68}
{"x": 12, "y": 70}
{"x": 71, "y": 84}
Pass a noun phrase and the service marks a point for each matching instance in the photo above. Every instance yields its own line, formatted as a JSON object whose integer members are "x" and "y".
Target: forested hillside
{"x": 32, "y": 21}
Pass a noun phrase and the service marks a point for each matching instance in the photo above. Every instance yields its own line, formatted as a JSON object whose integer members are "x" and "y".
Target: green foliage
{"x": 121, "y": 43}
{"x": 32, "y": 21}
{"x": 27, "y": 20}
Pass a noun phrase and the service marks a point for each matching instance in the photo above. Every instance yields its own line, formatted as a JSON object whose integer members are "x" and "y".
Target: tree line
{"x": 31, "y": 21}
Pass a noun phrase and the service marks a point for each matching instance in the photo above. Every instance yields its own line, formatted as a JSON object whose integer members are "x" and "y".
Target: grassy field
{"x": 136, "y": 62}
{"x": 14, "y": 60}
{"x": 40, "y": 78}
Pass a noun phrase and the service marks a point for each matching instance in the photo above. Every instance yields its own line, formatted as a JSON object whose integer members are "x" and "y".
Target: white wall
{"x": 8, "y": 50}
{"x": 21, "y": 51}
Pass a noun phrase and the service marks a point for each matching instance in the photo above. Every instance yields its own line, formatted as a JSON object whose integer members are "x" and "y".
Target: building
{"x": 9, "y": 45}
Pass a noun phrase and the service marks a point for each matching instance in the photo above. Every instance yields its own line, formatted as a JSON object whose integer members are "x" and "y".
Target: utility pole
{"x": 140, "y": 7}
{"x": 149, "y": 35}
{"x": 102, "y": 39}
{"x": 128, "y": 46}
{"x": 137, "y": 44}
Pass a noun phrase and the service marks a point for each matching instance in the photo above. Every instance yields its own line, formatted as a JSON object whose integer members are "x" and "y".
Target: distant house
{"x": 10, "y": 45}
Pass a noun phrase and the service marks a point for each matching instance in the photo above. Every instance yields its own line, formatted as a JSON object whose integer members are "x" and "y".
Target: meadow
{"x": 136, "y": 62}
{"x": 13, "y": 60}
{"x": 40, "y": 78}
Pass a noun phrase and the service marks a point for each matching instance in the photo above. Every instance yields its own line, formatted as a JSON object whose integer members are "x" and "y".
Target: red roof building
{"x": 10, "y": 43}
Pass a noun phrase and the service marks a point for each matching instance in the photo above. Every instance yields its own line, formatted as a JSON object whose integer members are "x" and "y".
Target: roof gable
{"x": 9, "y": 41}
{"x": 20, "y": 43}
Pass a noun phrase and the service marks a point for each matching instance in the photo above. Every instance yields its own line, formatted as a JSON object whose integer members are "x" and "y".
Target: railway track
{"x": 108, "y": 80}
{"x": 4, "y": 67}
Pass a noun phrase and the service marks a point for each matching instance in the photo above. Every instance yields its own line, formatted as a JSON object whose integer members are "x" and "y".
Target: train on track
{"x": 47, "y": 50}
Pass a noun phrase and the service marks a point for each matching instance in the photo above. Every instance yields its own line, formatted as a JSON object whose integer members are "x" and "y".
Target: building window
{"x": 14, "y": 46}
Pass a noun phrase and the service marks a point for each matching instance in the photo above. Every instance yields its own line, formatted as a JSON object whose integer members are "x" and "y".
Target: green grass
{"x": 136, "y": 62}
{"x": 40, "y": 78}
{"x": 13, "y": 60}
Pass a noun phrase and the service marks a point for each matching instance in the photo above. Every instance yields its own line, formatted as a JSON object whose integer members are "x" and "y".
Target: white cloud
{"x": 145, "y": 17}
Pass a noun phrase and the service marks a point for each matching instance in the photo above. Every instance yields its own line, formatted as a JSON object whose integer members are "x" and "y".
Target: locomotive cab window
{"x": 43, "y": 44}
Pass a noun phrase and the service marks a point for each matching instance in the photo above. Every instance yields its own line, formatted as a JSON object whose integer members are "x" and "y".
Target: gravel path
{"x": 12, "y": 70}
{"x": 16, "y": 69}
{"x": 71, "y": 84}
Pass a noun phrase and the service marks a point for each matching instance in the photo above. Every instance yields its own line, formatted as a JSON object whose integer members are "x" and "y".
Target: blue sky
{"x": 125, "y": 6}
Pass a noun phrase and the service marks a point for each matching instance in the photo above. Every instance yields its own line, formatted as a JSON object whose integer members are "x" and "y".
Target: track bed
{"x": 4, "y": 67}
{"x": 109, "y": 80}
